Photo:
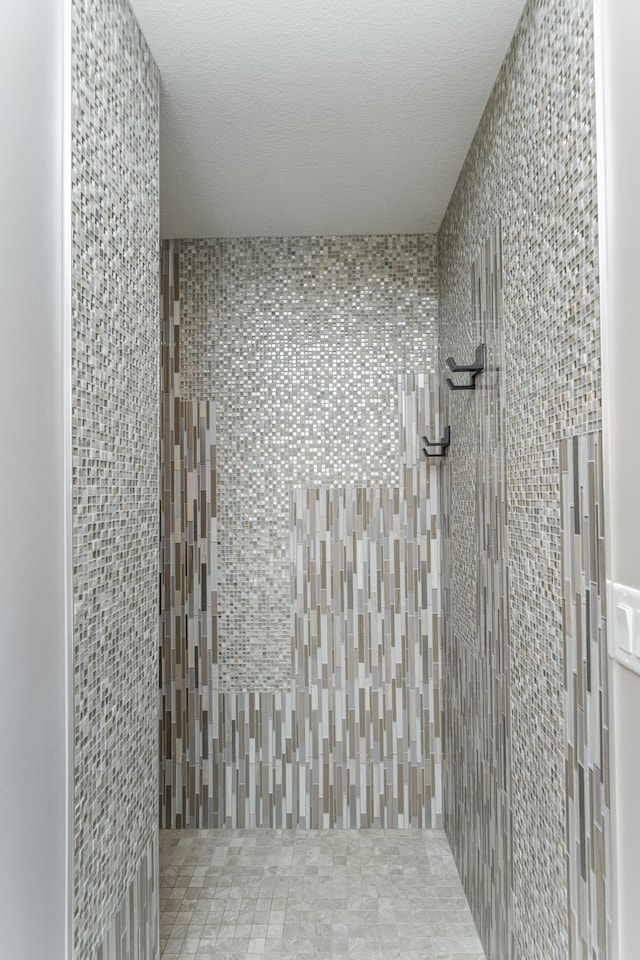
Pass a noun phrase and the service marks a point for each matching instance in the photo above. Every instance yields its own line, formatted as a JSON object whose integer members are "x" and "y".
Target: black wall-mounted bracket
{"x": 473, "y": 368}
{"x": 443, "y": 444}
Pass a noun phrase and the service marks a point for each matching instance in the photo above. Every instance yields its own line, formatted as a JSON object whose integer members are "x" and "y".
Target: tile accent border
{"x": 492, "y": 592}
{"x": 588, "y": 812}
{"x": 188, "y": 576}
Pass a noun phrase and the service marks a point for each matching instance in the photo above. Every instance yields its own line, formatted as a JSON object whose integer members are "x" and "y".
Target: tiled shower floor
{"x": 375, "y": 894}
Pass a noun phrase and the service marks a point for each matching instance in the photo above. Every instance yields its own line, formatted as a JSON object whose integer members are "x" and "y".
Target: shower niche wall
{"x": 301, "y": 579}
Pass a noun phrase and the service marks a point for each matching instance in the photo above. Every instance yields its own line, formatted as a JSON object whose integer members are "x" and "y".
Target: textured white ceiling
{"x": 293, "y": 118}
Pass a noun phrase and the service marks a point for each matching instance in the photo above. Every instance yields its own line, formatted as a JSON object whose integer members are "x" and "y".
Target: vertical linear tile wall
{"x": 586, "y": 697}
{"x": 133, "y": 929}
{"x": 478, "y": 794}
{"x": 366, "y": 605}
{"x": 532, "y": 165}
{"x": 353, "y": 739}
{"x": 115, "y": 482}
{"x": 492, "y": 582}
{"x": 188, "y": 552}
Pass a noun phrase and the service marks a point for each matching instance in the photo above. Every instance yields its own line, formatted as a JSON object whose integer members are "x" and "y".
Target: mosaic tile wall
{"x": 353, "y": 739}
{"x": 115, "y": 481}
{"x": 300, "y": 343}
{"x": 532, "y": 166}
{"x": 477, "y": 794}
{"x": 586, "y": 697}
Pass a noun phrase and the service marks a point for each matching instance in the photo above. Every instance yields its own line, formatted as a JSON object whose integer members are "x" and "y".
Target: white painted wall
{"x": 34, "y": 483}
{"x": 618, "y": 96}
{"x": 619, "y": 145}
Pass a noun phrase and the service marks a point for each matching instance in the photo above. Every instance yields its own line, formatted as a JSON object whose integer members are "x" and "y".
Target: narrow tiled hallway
{"x": 378, "y": 894}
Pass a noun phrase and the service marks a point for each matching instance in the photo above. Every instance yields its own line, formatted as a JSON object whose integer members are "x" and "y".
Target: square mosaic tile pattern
{"x": 379, "y": 895}
{"x": 477, "y": 794}
{"x": 115, "y": 481}
{"x": 355, "y": 739}
{"x": 586, "y": 697}
{"x": 532, "y": 165}
{"x": 300, "y": 343}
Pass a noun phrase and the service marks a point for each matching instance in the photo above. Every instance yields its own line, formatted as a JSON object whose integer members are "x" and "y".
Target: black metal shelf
{"x": 473, "y": 368}
{"x": 442, "y": 443}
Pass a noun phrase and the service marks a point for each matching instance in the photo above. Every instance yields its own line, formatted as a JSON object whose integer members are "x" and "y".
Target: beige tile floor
{"x": 375, "y": 894}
